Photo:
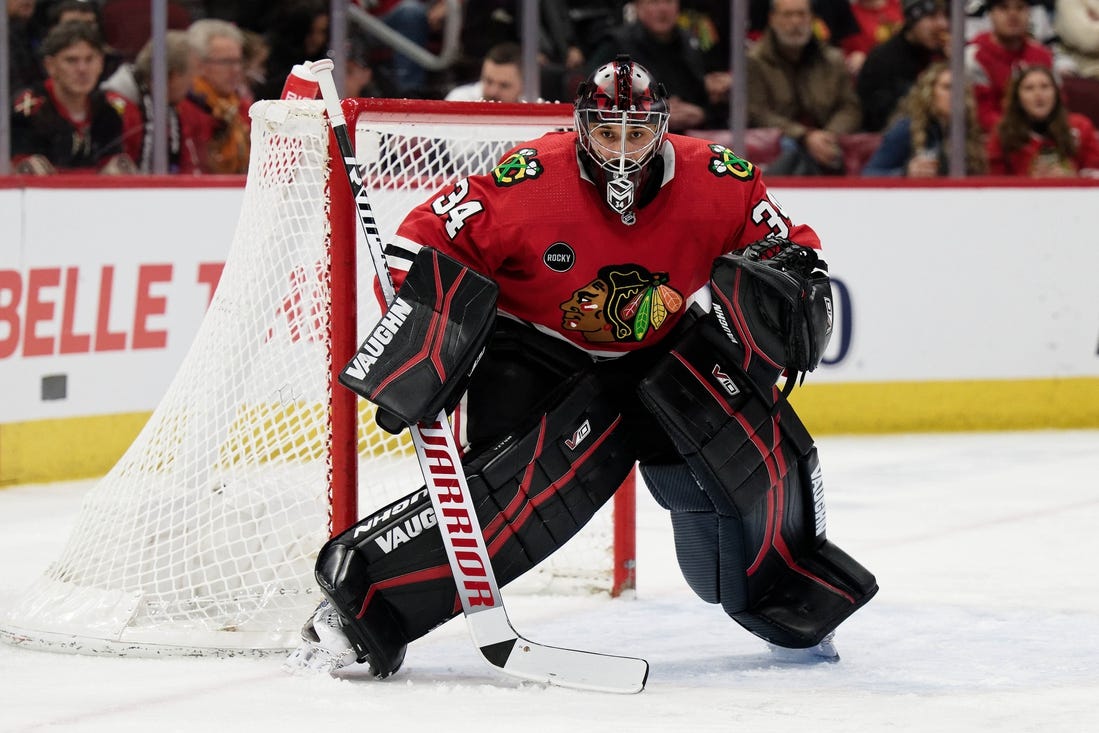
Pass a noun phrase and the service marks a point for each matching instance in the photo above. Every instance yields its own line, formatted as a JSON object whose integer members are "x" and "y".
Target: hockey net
{"x": 202, "y": 538}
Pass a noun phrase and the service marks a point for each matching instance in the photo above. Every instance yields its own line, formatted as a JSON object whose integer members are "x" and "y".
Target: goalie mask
{"x": 621, "y": 121}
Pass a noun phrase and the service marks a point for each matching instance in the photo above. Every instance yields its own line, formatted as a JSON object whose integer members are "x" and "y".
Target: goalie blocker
{"x": 719, "y": 447}
{"x": 417, "y": 359}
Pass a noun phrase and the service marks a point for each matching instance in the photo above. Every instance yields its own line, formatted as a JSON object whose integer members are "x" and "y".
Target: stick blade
{"x": 573, "y": 668}
{"x": 517, "y": 656}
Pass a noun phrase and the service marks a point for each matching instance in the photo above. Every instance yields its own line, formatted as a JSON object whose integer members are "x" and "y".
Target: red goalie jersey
{"x": 565, "y": 262}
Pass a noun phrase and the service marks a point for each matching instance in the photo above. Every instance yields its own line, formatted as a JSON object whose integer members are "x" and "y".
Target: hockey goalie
{"x": 607, "y": 297}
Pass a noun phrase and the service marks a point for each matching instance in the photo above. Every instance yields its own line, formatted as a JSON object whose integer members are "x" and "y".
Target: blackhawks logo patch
{"x": 624, "y": 303}
{"x": 517, "y": 167}
{"x": 728, "y": 163}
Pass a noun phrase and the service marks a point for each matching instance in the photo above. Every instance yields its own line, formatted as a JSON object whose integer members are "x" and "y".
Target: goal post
{"x": 202, "y": 538}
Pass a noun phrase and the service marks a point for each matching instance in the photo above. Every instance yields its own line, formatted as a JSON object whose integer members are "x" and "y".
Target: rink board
{"x": 966, "y": 306}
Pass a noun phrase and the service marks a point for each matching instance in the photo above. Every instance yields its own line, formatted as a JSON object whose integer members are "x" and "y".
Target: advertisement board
{"x": 956, "y": 307}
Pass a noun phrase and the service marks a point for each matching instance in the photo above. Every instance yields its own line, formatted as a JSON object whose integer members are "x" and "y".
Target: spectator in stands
{"x": 133, "y": 83}
{"x": 560, "y": 57}
{"x": 25, "y": 70}
{"x": 1076, "y": 41}
{"x": 833, "y": 20}
{"x": 1041, "y": 21}
{"x": 878, "y": 20}
{"x": 297, "y": 32}
{"x": 591, "y": 19}
{"x": 501, "y": 81}
{"x": 410, "y": 19}
{"x": 991, "y": 56}
{"x": 892, "y": 67}
{"x": 256, "y": 52}
{"x": 801, "y": 85}
{"x": 75, "y": 10}
{"x": 501, "y": 78}
{"x": 1037, "y": 136}
{"x": 213, "y": 114}
{"x": 657, "y": 42}
{"x": 707, "y": 22}
{"x": 66, "y": 123}
{"x": 359, "y": 78}
{"x": 86, "y": 11}
{"x": 917, "y": 144}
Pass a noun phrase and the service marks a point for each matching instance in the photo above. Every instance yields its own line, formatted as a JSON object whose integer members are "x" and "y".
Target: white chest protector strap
{"x": 747, "y": 507}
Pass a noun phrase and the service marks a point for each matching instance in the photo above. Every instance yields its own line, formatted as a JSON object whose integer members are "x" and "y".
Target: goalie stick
{"x": 482, "y": 604}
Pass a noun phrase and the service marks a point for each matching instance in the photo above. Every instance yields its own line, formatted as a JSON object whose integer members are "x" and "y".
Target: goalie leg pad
{"x": 705, "y": 541}
{"x": 388, "y": 575}
{"x": 753, "y": 536}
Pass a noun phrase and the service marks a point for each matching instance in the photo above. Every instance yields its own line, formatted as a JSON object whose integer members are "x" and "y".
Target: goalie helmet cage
{"x": 202, "y": 538}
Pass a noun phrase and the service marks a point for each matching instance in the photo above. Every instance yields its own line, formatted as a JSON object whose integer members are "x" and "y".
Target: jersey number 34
{"x": 456, "y": 210}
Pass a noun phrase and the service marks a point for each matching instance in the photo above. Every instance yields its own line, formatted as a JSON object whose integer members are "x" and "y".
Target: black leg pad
{"x": 752, "y": 535}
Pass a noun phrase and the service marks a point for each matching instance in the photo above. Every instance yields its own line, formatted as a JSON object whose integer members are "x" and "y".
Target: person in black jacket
{"x": 891, "y": 68}
{"x": 298, "y": 32}
{"x": 66, "y": 123}
{"x": 657, "y": 42}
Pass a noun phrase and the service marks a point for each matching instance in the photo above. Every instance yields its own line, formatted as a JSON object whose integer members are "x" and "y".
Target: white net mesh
{"x": 202, "y": 538}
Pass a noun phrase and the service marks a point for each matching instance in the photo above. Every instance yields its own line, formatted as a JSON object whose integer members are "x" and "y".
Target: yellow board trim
{"x": 65, "y": 448}
{"x": 920, "y": 407}
{"x": 85, "y": 447}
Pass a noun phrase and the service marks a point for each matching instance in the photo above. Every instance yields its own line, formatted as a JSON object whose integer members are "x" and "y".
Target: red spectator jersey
{"x": 214, "y": 130}
{"x": 989, "y": 66}
{"x": 138, "y": 138}
{"x": 1020, "y": 162}
{"x": 876, "y": 26}
{"x": 565, "y": 262}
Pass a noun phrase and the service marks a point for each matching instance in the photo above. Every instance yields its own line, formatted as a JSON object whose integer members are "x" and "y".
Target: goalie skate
{"x": 324, "y": 646}
{"x": 824, "y": 652}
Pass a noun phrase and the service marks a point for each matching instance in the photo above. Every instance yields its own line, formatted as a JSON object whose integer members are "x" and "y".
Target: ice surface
{"x": 984, "y": 545}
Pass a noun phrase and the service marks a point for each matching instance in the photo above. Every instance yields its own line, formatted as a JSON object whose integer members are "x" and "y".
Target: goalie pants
{"x": 551, "y": 437}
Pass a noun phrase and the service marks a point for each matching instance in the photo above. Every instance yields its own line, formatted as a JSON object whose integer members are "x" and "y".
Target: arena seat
{"x": 1081, "y": 95}
{"x": 762, "y": 145}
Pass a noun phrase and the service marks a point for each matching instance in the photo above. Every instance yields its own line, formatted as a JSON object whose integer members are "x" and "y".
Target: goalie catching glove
{"x": 417, "y": 359}
{"x": 775, "y": 296}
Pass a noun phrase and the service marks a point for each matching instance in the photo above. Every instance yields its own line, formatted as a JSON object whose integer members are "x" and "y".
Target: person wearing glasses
{"x": 214, "y": 115}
